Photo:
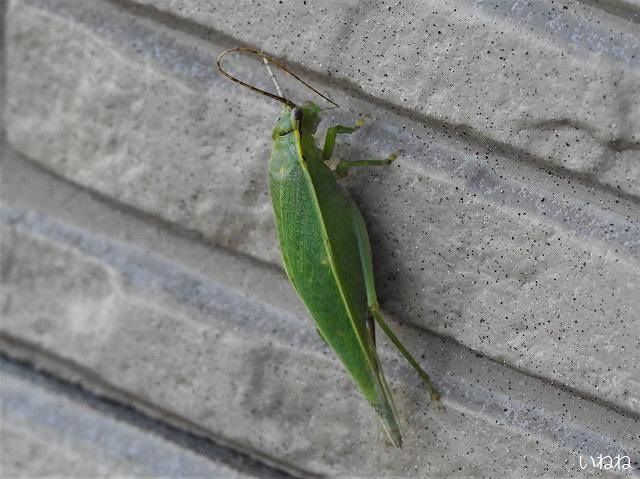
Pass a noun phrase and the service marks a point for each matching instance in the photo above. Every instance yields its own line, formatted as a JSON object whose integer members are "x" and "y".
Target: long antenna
{"x": 279, "y": 97}
{"x": 273, "y": 77}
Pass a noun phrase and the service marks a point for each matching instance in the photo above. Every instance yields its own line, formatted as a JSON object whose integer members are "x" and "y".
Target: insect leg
{"x": 330, "y": 138}
{"x": 371, "y": 324}
{"x": 435, "y": 395}
{"x": 372, "y": 300}
{"x": 342, "y": 168}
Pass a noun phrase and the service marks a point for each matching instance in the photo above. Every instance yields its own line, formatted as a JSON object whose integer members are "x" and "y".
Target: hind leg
{"x": 372, "y": 300}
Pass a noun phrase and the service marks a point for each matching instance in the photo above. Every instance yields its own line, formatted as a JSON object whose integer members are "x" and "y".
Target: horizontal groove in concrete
{"x": 569, "y": 209}
{"x": 188, "y": 64}
{"x": 583, "y": 209}
{"x": 628, "y": 10}
{"x": 39, "y": 407}
{"x": 248, "y": 296}
{"x": 540, "y": 29}
{"x": 468, "y": 242}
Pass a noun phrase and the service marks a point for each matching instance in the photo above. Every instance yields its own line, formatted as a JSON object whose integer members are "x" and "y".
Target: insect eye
{"x": 296, "y": 114}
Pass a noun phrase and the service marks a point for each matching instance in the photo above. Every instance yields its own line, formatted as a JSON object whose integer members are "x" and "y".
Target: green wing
{"x": 322, "y": 259}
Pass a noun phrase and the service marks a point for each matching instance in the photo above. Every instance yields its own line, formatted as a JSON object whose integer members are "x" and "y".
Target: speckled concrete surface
{"x": 510, "y": 259}
{"x": 506, "y": 236}
{"x": 549, "y": 79}
{"x": 232, "y": 354}
{"x": 54, "y": 430}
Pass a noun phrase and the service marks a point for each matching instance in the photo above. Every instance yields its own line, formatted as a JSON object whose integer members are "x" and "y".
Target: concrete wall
{"x": 147, "y": 325}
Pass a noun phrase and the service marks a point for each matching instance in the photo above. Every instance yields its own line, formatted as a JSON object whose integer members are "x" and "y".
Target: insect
{"x": 325, "y": 245}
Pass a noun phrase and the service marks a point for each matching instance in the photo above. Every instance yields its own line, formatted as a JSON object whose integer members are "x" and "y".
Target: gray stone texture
{"x": 220, "y": 346}
{"x": 45, "y": 434}
{"x": 147, "y": 265}
{"x": 511, "y": 260}
{"x": 553, "y": 82}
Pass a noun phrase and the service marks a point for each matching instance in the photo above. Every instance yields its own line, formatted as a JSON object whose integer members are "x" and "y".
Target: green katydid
{"x": 325, "y": 245}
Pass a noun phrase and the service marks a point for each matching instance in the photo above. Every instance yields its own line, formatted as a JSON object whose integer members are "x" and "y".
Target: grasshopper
{"x": 325, "y": 245}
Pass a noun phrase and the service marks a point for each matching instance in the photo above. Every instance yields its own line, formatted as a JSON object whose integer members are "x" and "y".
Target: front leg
{"x": 342, "y": 168}
{"x": 330, "y": 138}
